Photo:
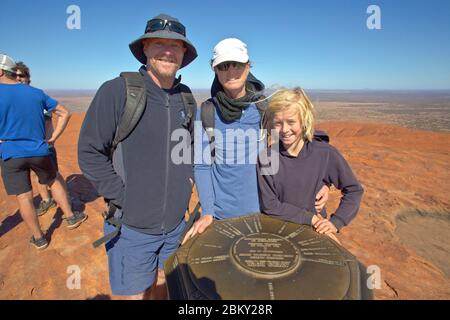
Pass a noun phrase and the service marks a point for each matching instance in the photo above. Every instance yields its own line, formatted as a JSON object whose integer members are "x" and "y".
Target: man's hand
{"x": 198, "y": 227}
{"x": 322, "y": 198}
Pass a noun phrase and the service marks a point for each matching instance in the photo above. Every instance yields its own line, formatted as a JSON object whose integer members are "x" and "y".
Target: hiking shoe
{"x": 44, "y": 206}
{"x": 40, "y": 243}
{"x": 76, "y": 219}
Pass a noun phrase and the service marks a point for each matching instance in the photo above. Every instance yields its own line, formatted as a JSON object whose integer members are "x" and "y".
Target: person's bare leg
{"x": 28, "y": 213}
{"x": 43, "y": 192}
{"x": 141, "y": 296}
{"x": 41, "y": 188}
{"x": 59, "y": 193}
{"x": 63, "y": 181}
{"x": 158, "y": 291}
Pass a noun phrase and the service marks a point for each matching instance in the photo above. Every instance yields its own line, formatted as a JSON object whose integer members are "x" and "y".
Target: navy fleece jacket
{"x": 152, "y": 191}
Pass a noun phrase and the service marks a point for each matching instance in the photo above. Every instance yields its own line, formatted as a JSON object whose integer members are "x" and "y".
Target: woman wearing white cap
{"x": 226, "y": 177}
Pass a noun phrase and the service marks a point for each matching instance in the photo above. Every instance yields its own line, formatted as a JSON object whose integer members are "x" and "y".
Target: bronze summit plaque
{"x": 259, "y": 257}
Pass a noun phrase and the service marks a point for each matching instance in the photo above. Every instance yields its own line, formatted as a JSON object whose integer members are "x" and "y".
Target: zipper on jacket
{"x": 166, "y": 181}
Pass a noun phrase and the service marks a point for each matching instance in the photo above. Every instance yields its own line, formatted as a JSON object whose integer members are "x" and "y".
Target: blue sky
{"x": 319, "y": 44}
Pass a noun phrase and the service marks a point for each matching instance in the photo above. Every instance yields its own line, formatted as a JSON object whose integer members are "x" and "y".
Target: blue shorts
{"x": 133, "y": 257}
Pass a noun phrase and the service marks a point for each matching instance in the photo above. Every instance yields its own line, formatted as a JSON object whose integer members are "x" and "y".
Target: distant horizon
{"x": 270, "y": 88}
{"x": 415, "y": 97}
{"x": 421, "y": 109}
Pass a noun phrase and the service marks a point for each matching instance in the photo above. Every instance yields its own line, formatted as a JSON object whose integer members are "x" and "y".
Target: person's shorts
{"x": 53, "y": 156}
{"x": 134, "y": 257}
{"x": 16, "y": 173}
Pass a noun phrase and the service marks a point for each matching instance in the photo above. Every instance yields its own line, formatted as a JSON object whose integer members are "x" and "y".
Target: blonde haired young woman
{"x": 305, "y": 165}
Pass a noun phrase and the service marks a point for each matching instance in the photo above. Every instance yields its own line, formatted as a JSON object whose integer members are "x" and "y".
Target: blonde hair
{"x": 293, "y": 99}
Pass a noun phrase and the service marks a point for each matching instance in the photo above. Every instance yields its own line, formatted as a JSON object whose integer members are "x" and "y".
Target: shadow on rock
{"x": 14, "y": 220}
{"x": 100, "y": 297}
{"x": 10, "y": 223}
{"x": 179, "y": 288}
{"x": 56, "y": 223}
{"x": 81, "y": 191}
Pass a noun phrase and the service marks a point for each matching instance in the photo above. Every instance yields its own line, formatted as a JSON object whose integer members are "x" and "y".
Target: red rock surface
{"x": 402, "y": 170}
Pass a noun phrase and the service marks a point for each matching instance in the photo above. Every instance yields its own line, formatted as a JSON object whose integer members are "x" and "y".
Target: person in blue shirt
{"x": 227, "y": 186}
{"x": 47, "y": 202}
{"x": 23, "y": 148}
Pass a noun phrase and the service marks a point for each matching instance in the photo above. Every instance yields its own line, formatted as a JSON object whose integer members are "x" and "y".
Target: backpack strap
{"x": 320, "y": 135}
{"x": 134, "y": 106}
{"x": 135, "y": 103}
{"x": 110, "y": 217}
{"x": 207, "y": 115}
{"x": 190, "y": 107}
{"x": 262, "y": 106}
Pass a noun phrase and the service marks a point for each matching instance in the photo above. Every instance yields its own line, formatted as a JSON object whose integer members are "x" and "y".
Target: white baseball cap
{"x": 230, "y": 49}
{"x": 7, "y": 64}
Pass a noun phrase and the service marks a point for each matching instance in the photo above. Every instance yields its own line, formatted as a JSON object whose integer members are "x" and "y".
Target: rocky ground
{"x": 403, "y": 227}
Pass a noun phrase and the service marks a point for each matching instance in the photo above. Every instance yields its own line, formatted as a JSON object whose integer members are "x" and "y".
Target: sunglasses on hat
{"x": 160, "y": 24}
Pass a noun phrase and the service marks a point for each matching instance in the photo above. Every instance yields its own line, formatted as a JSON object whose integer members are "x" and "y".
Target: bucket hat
{"x": 174, "y": 31}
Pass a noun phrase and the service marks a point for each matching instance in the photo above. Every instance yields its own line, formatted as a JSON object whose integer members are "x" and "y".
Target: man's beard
{"x": 164, "y": 72}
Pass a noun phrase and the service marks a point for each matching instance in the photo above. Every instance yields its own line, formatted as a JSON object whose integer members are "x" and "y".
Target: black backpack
{"x": 208, "y": 112}
{"x": 135, "y": 104}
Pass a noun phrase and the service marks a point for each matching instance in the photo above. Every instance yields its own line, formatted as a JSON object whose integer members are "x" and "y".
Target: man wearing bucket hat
{"x": 23, "y": 147}
{"x": 146, "y": 190}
